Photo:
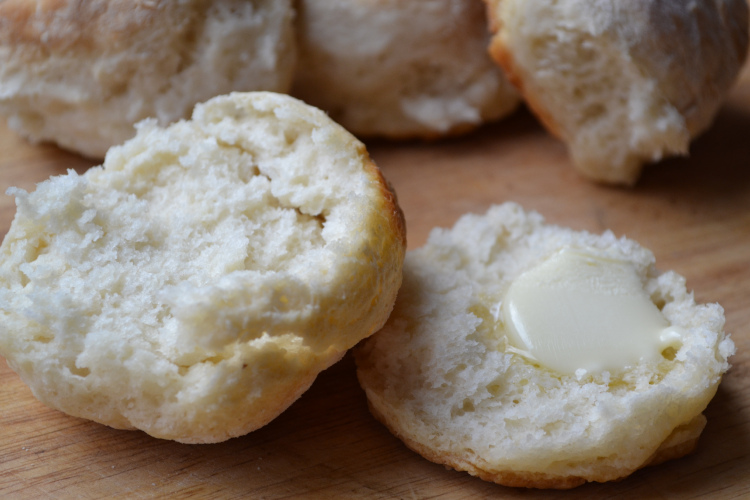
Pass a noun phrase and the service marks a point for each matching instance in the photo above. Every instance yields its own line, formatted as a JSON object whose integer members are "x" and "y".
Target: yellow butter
{"x": 580, "y": 311}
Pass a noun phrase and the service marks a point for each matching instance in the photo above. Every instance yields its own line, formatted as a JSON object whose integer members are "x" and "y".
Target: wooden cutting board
{"x": 693, "y": 213}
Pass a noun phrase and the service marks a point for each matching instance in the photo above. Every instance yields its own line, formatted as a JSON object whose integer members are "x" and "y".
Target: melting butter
{"x": 579, "y": 311}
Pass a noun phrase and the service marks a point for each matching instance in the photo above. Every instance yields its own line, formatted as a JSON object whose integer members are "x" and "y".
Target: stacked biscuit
{"x": 195, "y": 284}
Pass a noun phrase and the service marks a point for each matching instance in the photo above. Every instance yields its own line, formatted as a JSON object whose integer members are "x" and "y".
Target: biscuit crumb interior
{"x": 222, "y": 245}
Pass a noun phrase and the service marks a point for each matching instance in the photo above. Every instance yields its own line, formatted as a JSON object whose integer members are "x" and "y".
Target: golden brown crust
{"x": 504, "y": 57}
{"x": 397, "y": 221}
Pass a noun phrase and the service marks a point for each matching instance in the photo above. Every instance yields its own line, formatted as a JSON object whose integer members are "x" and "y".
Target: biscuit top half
{"x": 259, "y": 226}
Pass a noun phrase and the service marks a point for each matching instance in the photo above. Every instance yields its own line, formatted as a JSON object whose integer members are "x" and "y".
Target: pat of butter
{"x": 579, "y": 311}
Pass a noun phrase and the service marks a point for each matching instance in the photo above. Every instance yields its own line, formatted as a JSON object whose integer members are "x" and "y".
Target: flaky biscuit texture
{"x": 82, "y": 73}
{"x": 195, "y": 285}
{"x": 622, "y": 82}
{"x": 400, "y": 68}
{"x": 441, "y": 377}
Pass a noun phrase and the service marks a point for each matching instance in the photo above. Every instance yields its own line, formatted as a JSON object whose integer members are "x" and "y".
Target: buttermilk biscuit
{"x": 622, "y": 82}
{"x": 195, "y": 284}
{"x": 81, "y": 73}
{"x": 400, "y": 68}
{"x": 443, "y": 376}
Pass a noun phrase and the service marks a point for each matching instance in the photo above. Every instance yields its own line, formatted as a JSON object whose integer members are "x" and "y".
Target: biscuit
{"x": 443, "y": 377}
{"x": 622, "y": 83}
{"x": 82, "y": 73}
{"x": 400, "y": 69}
{"x": 195, "y": 284}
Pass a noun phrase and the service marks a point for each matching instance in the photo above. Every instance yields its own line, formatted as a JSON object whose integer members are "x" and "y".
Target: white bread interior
{"x": 195, "y": 284}
{"x": 440, "y": 376}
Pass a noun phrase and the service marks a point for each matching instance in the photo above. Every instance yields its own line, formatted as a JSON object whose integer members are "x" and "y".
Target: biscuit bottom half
{"x": 445, "y": 377}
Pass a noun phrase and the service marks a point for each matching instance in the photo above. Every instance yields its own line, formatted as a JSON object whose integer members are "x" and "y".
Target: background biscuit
{"x": 622, "y": 83}
{"x": 400, "y": 68}
{"x": 82, "y": 73}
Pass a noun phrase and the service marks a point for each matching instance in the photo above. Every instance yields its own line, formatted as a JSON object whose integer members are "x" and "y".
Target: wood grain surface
{"x": 694, "y": 213}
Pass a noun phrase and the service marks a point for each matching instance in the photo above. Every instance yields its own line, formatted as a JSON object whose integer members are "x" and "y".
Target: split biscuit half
{"x": 446, "y": 377}
{"x": 195, "y": 284}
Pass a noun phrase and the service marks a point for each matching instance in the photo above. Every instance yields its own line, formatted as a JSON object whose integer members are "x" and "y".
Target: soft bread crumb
{"x": 440, "y": 377}
{"x": 196, "y": 283}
